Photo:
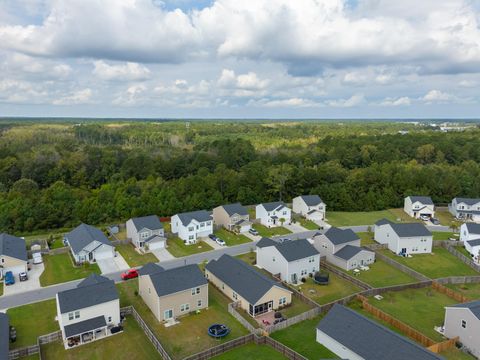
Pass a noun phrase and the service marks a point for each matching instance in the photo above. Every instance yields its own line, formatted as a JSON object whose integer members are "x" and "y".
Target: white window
{"x": 184, "y": 307}
{"x": 77, "y": 314}
{"x": 234, "y": 295}
{"x": 191, "y": 237}
{"x": 312, "y": 259}
{"x": 70, "y": 316}
{"x": 284, "y": 213}
{"x": 191, "y": 228}
{"x": 199, "y": 303}
{"x": 144, "y": 235}
{"x": 304, "y": 272}
{"x": 195, "y": 291}
{"x": 202, "y": 225}
{"x": 282, "y": 301}
{"x": 109, "y": 319}
{"x": 464, "y": 324}
{"x": 209, "y": 223}
{"x": 197, "y": 227}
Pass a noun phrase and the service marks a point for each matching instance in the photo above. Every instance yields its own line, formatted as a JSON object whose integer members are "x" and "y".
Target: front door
{"x": 168, "y": 314}
{"x": 404, "y": 250}
{"x": 270, "y": 306}
{"x": 90, "y": 256}
{"x": 294, "y": 278}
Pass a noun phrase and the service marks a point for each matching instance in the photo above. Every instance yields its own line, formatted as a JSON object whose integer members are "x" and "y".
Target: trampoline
{"x": 218, "y": 330}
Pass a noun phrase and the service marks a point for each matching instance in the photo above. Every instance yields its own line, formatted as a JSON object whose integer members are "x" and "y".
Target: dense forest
{"x": 55, "y": 175}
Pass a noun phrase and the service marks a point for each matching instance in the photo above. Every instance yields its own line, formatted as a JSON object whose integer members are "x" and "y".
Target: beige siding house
{"x": 233, "y": 217}
{"x": 13, "y": 255}
{"x": 173, "y": 293}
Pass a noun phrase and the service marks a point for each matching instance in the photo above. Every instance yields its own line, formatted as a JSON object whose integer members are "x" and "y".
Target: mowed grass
{"x": 301, "y": 337}
{"x": 269, "y": 232}
{"x": 442, "y": 235}
{"x": 366, "y": 238}
{"x": 33, "y": 320}
{"x": 422, "y": 309}
{"x": 59, "y": 268}
{"x": 438, "y": 264}
{"x": 445, "y": 217}
{"x": 337, "y": 288}
{"x": 381, "y": 274}
{"x": 456, "y": 354}
{"x": 472, "y": 291}
{"x": 230, "y": 238}
{"x": 190, "y": 335}
{"x": 177, "y": 247}
{"x": 346, "y": 218}
{"x": 251, "y": 351}
{"x": 308, "y": 224}
{"x": 131, "y": 344}
{"x": 132, "y": 257}
{"x": 1, "y": 288}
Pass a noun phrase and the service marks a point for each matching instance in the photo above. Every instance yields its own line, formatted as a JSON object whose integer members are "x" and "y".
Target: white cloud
{"x": 77, "y": 97}
{"x": 248, "y": 81}
{"x": 352, "y": 101}
{"x": 122, "y": 72}
{"x": 401, "y": 101}
{"x": 437, "y": 96}
{"x": 291, "y": 102}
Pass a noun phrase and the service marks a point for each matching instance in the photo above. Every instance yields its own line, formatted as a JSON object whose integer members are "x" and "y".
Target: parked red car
{"x": 130, "y": 274}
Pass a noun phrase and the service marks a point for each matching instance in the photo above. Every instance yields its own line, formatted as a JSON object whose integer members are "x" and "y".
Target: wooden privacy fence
{"x": 294, "y": 320}
{"x": 449, "y": 292}
{"x": 461, "y": 256}
{"x": 34, "y": 349}
{"x": 444, "y": 345}
{"x": 232, "y": 310}
{"x": 472, "y": 279}
{"x": 345, "y": 276}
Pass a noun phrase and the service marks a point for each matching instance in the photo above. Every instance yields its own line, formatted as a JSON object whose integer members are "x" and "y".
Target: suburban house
{"x": 88, "y": 243}
{"x": 404, "y": 239}
{"x": 172, "y": 293}
{"x": 273, "y": 214}
{"x": 353, "y": 336}
{"x": 416, "y": 206}
{"x": 254, "y": 292}
{"x": 342, "y": 248}
{"x": 192, "y": 225}
{"x": 146, "y": 232}
{"x": 292, "y": 260}
{"x": 88, "y": 312}
{"x": 465, "y": 209}
{"x": 470, "y": 235}
{"x": 233, "y": 217}
{"x": 309, "y": 206}
{"x": 4, "y": 336}
{"x": 13, "y": 255}
{"x": 463, "y": 320}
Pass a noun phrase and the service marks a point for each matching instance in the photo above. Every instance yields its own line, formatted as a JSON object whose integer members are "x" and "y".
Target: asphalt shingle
{"x": 341, "y": 236}
{"x": 178, "y": 279}
{"x": 83, "y": 235}
{"x": 151, "y": 222}
{"x": 13, "y": 246}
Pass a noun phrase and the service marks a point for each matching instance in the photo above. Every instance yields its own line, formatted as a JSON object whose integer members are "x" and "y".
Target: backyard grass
{"x": 463, "y": 251}
{"x": 366, "y": 238}
{"x": 472, "y": 291}
{"x": 308, "y": 224}
{"x": 269, "y": 232}
{"x": 1, "y": 288}
{"x": 456, "y": 354}
{"x": 59, "y": 268}
{"x": 32, "y": 321}
{"x": 132, "y": 257}
{"x": 436, "y": 265}
{"x": 442, "y": 235}
{"x": 345, "y": 218}
{"x": 301, "y": 337}
{"x": 251, "y": 351}
{"x": 132, "y": 344}
{"x": 177, "y": 247}
{"x": 190, "y": 335}
{"x": 230, "y": 238}
{"x": 338, "y": 288}
{"x": 121, "y": 235}
{"x": 444, "y": 217}
{"x": 381, "y": 274}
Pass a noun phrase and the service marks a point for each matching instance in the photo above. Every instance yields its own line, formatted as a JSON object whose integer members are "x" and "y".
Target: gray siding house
{"x": 88, "y": 243}
{"x": 405, "y": 238}
{"x": 4, "y": 336}
{"x": 233, "y": 217}
{"x": 146, "y": 232}
{"x": 463, "y": 320}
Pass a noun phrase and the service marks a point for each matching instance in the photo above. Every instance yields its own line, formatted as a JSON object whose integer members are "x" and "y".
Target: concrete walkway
{"x": 294, "y": 228}
{"x": 162, "y": 255}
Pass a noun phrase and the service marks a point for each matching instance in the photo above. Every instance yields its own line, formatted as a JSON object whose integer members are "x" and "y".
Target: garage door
{"x": 104, "y": 252}
{"x": 156, "y": 245}
{"x": 15, "y": 269}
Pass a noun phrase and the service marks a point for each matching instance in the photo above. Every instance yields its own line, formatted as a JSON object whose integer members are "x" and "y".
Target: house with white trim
{"x": 233, "y": 217}
{"x": 192, "y": 225}
{"x": 463, "y": 321}
{"x": 273, "y": 214}
{"x": 470, "y": 235}
{"x": 467, "y": 209}
{"x": 146, "y": 232}
{"x": 416, "y": 206}
{"x": 13, "y": 255}
{"x": 309, "y": 206}
{"x": 89, "y": 244}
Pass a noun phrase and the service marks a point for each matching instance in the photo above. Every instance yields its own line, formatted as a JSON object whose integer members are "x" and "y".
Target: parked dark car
{"x": 116, "y": 329}
{"x": 9, "y": 278}
{"x": 13, "y": 334}
{"x": 435, "y": 221}
{"x": 213, "y": 237}
{"x": 23, "y": 276}
{"x": 253, "y": 232}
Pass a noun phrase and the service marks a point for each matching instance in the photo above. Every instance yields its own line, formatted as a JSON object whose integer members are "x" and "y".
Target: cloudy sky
{"x": 237, "y": 59}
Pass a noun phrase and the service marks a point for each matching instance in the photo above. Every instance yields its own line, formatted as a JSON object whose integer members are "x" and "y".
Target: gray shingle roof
{"x": 92, "y": 291}
{"x": 236, "y": 208}
{"x": 341, "y": 236}
{"x": 473, "y": 228}
{"x": 410, "y": 229}
{"x": 199, "y": 215}
{"x": 4, "y": 336}
{"x": 311, "y": 200}
{"x": 83, "y": 235}
{"x": 383, "y": 222}
{"x": 427, "y": 200}
{"x": 84, "y": 326}
{"x": 348, "y": 251}
{"x": 151, "y": 222}
{"x": 474, "y": 307}
{"x": 468, "y": 201}
{"x": 150, "y": 268}
{"x": 13, "y": 246}
{"x": 369, "y": 339}
{"x": 273, "y": 205}
{"x": 242, "y": 278}
{"x": 291, "y": 250}
{"x": 474, "y": 242}
{"x": 178, "y": 279}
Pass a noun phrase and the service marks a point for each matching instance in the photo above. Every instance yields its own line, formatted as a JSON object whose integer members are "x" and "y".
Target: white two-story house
{"x": 88, "y": 312}
{"x": 467, "y": 209}
{"x": 192, "y": 225}
{"x": 293, "y": 260}
{"x": 273, "y": 214}
{"x": 309, "y": 206}
{"x": 404, "y": 239}
{"x": 463, "y": 320}
{"x": 89, "y": 244}
{"x": 416, "y": 206}
{"x": 470, "y": 235}
{"x": 146, "y": 232}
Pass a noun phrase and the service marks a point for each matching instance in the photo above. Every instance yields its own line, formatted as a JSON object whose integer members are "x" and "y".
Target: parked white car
{"x": 37, "y": 258}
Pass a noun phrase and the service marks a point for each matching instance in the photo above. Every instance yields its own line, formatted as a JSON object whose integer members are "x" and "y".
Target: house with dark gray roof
{"x": 191, "y": 226}
{"x": 173, "y": 293}
{"x": 4, "y": 336}
{"x": 470, "y": 235}
{"x": 146, "y": 233}
{"x": 342, "y": 247}
{"x": 351, "y": 335}
{"x": 290, "y": 260}
{"x": 150, "y": 268}
{"x": 309, "y": 206}
{"x": 89, "y": 244}
{"x": 467, "y": 209}
{"x": 273, "y": 214}
{"x": 233, "y": 217}
{"x": 463, "y": 320}
{"x": 417, "y": 206}
{"x": 87, "y": 312}
{"x": 404, "y": 238}
{"x": 250, "y": 289}
{"x": 13, "y": 255}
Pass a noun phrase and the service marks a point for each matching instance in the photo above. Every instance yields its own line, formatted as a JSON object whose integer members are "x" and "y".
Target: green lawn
{"x": 132, "y": 257}
{"x": 436, "y": 265}
{"x": 381, "y": 274}
{"x": 471, "y": 291}
{"x": 1, "y": 288}
{"x": 230, "y": 238}
{"x": 177, "y": 247}
{"x": 463, "y": 251}
{"x": 190, "y": 335}
{"x": 269, "y": 232}
{"x": 121, "y": 235}
{"x": 345, "y": 218}
{"x": 422, "y": 309}
{"x": 251, "y": 351}
{"x": 59, "y": 268}
{"x": 132, "y": 344}
{"x": 301, "y": 337}
{"x": 442, "y": 235}
{"x": 308, "y": 224}
{"x": 456, "y": 354}
{"x": 32, "y": 321}
{"x": 445, "y": 217}
{"x": 366, "y": 238}
{"x": 338, "y": 288}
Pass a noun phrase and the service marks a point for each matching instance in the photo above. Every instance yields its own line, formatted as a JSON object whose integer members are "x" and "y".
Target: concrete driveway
{"x": 295, "y": 228}
{"x": 162, "y": 255}
{"x": 112, "y": 265}
{"x": 212, "y": 243}
{"x": 33, "y": 282}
